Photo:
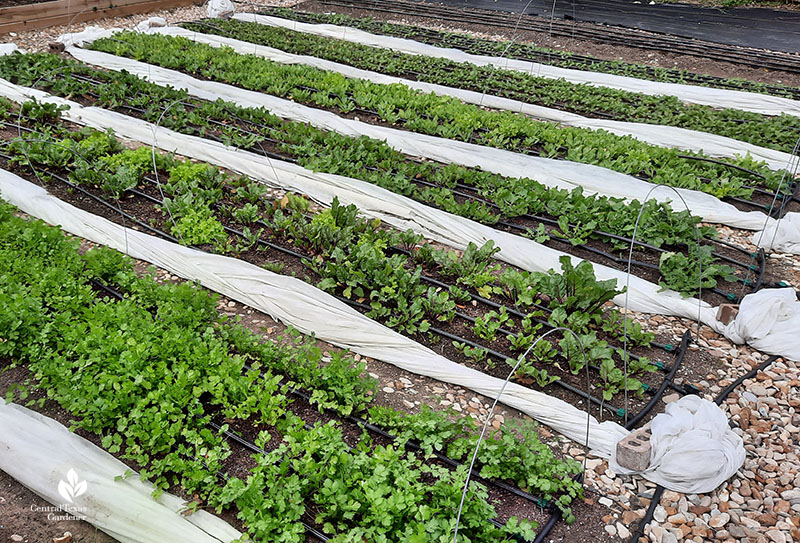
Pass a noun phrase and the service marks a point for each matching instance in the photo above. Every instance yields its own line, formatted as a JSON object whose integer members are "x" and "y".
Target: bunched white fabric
{"x": 41, "y": 453}
{"x": 693, "y": 449}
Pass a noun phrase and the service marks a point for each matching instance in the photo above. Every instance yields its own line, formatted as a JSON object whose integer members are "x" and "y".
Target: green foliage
{"x": 437, "y": 115}
{"x": 370, "y": 160}
{"x": 493, "y": 47}
{"x": 198, "y": 226}
{"x": 514, "y": 453}
{"x": 681, "y": 272}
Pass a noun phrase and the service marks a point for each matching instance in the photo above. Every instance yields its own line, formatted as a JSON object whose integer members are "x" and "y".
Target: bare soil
{"x": 584, "y": 47}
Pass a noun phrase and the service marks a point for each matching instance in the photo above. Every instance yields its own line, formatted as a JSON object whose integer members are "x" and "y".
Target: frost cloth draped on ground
{"x": 746, "y": 101}
{"x": 550, "y": 172}
{"x": 664, "y": 136}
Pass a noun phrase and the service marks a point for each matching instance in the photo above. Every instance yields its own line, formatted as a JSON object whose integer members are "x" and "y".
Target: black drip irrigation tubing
{"x": 249, "y": 445}
{"x": 687, "y": 337}
{"x": 588, "y": 397}
{"x": 554, "y": 513}
{"x": 729, "y": 296}
{"x": 554, "y": 222}
{"x": 538, "y": 54}
{"x": 603, "y": 33}
{"x": 648, "y": 516}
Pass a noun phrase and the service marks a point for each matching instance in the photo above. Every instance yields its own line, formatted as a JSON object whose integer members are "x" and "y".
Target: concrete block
{"x": 633, "y": 451}
{"x": 727, "y": 312}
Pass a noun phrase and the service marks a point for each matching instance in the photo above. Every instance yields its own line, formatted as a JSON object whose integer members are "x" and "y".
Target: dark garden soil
{"x": 584, "y": 47}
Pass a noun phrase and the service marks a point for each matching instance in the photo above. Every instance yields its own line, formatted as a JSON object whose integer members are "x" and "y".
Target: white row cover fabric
{"x": 745, "y": 101}
{"x": 305, "y": 307}
{"x": 372, "y": 201}
{"x": 220, "y": 8}
{"x": 43, "y": 455}
{"x": 663, "y": 136}
{"x": 311, "y": 310}
{"x": 404, "y": 213}
{"x": 769, "y": 320}
{"x": 693, "y": 449}
{"x": 553, "y": 173}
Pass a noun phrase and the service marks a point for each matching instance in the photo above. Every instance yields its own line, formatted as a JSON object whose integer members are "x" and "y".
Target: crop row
{"x": 774, "y": 132}
{"x": 395, "y": 277}
{"x": 525, "y": 51}
{"x": 440, "y": 116}
{"x": 572, "y": 218}
{"x": 151, "y": 372}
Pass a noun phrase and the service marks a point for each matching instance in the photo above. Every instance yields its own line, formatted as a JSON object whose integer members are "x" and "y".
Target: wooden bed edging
{"x": 61, "y": 12}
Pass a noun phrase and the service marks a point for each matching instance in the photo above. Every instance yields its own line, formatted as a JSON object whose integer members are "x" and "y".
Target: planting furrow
{"x": 511, "y": 90}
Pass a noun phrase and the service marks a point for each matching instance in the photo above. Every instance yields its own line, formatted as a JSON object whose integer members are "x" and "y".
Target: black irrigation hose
{"x": 749, "y": 375}
{"x": 249, "y": 445}
{"x": 639, "y": 532}
{"x": 538, "y": 500}
{"x": 603, "y": 33}
{"x": 687, "y": 337}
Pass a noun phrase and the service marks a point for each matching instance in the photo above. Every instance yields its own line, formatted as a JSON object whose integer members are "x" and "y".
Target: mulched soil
{"x": 584, "y": 47}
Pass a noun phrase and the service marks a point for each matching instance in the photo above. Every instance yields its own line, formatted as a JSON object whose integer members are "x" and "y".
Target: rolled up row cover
{"x": 691, "y": 94}
{"x": 663, "y": 136}
{"x": 784, "y": 234}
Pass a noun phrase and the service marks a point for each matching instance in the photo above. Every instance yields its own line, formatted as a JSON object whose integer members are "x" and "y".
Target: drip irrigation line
{"x": 723, "y": 163}
{"x": 495, "y": 354}
{"x": 648, "y": 516}
{"x": 433, "y": 281}
{"x": 538, "y": 54}
{"x": 249, "y": 445}
{"x": 412, "y": 444}
{"x": 632, "y": 422}
{"x": 749, "y": 375}
{"x": 603, "y": 33}
{"x": 443, "y": 333}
